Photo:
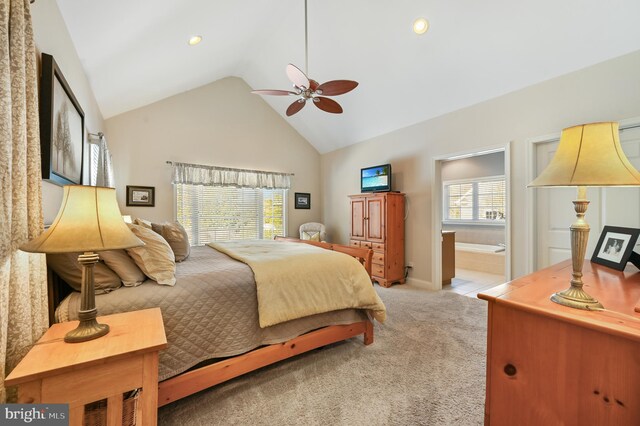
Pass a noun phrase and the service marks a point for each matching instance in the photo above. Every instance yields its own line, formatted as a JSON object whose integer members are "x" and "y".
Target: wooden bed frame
{"x": 195, "y": 380}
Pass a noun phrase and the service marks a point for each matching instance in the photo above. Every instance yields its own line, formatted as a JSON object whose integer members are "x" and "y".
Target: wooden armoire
{"x": 377, "y": 222}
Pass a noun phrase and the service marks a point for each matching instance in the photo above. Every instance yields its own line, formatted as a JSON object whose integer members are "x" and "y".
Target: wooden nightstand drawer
{"x": 378, "y": 258}
{"x": 377, "y": 270}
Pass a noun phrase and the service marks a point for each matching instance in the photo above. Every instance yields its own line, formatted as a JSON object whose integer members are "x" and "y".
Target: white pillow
{"x": 155, "y": 258}
{"x": 311, "y": 235}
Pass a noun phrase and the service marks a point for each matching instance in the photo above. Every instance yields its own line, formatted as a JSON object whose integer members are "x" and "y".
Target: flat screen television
{"x": 377, "y": 178}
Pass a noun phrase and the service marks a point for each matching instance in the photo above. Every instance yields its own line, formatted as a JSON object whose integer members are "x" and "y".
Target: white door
{"x": 608, "y": 206}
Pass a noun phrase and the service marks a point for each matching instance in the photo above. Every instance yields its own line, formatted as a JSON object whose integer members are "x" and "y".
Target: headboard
{"x": 57, "y": 289}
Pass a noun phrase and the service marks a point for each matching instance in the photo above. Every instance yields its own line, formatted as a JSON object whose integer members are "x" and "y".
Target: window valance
{"x": 198, "y": 174}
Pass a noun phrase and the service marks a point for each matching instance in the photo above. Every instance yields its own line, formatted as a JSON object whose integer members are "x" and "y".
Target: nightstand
{"x": 80, "y": 373}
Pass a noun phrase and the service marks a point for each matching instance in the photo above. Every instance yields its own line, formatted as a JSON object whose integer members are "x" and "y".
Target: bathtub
{"x": 479, "y": 248}
{"x": 480, "y": 257}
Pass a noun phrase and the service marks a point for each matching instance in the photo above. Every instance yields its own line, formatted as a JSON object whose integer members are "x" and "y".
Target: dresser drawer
{"x": 377, "y": 270}
{"x": 366, "y": 244}
{"x": 378, "y": 258}
{"x": 378, "y": 246}
{"x": 354, "y": 243}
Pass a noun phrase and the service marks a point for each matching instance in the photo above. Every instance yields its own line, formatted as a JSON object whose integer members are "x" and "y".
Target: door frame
{"x": 437, "y": 203}
{"x": 531, "y": 218}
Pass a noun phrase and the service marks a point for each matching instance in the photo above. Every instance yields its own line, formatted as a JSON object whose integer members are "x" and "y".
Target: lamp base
{"x": 86, "y": 330}
{"x": 575, "y": 297}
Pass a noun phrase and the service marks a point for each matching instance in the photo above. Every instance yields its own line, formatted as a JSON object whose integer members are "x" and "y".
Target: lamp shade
{"x": 589, "y": 155}
{"x": 89, "y": 220}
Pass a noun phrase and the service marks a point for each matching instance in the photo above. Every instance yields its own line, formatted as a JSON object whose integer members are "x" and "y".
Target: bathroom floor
{"x": 470, "y": 283}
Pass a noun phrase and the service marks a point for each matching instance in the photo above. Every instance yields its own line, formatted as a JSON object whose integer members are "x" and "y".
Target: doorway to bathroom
{"x": 474, "y": 213}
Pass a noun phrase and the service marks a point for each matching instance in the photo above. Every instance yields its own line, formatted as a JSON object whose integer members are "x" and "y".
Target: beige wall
{"x": 52, "y": 37}
{"x": 219, "y": 124}
{"x": 608, "y": 91}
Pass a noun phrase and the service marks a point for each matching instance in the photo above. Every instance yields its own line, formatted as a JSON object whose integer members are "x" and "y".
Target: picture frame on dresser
{"x": 615, "y": 246}
{"x": 61, "y": 127}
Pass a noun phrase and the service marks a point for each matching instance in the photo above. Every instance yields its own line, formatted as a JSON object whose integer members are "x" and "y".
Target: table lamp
{"x": 89, "y": 220}
{"x": 588, "y": 155}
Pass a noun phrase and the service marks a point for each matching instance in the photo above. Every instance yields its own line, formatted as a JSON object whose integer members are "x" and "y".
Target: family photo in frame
{"x": 615, "y": 246}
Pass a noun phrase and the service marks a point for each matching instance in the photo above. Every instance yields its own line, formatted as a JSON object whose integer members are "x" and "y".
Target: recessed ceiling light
{"x": 195, "y": 40}
{"x": 420, "y": 26}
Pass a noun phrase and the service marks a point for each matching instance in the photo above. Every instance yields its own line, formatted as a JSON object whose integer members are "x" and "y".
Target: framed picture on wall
{"x": 61, "y": 127}
{"x": 303, "y": 200}
{"x": 141, "y": 196}
{"x": 615, "y": 246}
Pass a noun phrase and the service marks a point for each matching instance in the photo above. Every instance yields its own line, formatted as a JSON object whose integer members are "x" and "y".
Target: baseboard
{"x": 427, "y": 285}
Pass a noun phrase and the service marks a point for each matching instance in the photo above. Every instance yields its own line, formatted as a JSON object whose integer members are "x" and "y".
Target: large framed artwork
{"x": 61, "y": 127}
{"x": 615, "y": 246}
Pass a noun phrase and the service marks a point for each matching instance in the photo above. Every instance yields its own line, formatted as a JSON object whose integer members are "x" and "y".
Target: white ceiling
{"x": 135, "y": 52}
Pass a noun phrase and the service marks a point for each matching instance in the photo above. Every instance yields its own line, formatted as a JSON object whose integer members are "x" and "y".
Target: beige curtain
{"x": 23, "y": 298}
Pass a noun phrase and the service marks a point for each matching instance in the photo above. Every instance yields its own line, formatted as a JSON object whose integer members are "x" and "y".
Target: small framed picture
{"x": 303, "y": 200}
{"x": 615, "y": 246}
{"x": 141, "y": 196}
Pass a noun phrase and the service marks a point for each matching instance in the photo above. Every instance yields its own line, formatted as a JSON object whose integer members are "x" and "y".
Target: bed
{"x": 211, "y": 320}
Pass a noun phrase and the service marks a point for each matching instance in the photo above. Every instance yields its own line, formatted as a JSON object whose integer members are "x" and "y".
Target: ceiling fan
{"x": 307, "y": 89}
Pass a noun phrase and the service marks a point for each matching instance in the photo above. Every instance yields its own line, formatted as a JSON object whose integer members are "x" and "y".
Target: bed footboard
{"x": 363, "y": 254}
{"x": 196, "y": 380}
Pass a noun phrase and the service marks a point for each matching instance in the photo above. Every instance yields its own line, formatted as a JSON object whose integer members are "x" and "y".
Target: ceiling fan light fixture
{"x": 193, "y": 40}
{"x": 420, "y": 26}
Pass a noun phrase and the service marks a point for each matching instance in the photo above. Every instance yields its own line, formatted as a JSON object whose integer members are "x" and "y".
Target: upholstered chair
{"x": 313, "y": 231}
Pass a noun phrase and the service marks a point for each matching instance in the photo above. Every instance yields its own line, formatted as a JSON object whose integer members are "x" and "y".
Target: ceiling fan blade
{"x": 295, "y": 107}
{"x": 328, "y": 105}
{"x": 273, "y": 92}
{"x": 313, "y": 85}
{"x": 297, "y": 77}
{"x": 337, "y": 87}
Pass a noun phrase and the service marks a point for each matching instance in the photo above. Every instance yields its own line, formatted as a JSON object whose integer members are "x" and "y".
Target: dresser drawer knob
{"x": 510, "y": 370}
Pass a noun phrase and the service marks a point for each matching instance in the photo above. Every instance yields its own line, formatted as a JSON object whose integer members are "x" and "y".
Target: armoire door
{"x": 357, "y": 218}
{"x": 375, "y": 219}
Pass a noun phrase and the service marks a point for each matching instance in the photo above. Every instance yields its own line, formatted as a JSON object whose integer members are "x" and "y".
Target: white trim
{"x": 530, "y": 199}
{"x": 422, "y": 284}
{"x": 436, "y": 207}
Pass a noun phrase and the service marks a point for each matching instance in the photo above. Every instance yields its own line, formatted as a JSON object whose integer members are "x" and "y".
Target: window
{"x": 211, "y": 213}
{"x": 476, "y": 201}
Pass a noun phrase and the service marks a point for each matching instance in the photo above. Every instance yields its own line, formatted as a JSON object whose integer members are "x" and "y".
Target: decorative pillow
{"x": 144, "y": 223}
{"x": 176, "y": 236}
{"x": 123, "y": 265}
{"x": 155, "y": 258}
{"x": 311, "y": 235}
{"x": 67, "y": 267}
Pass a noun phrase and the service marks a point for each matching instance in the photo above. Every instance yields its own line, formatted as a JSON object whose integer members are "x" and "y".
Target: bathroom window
{"x": 475, "y": 201}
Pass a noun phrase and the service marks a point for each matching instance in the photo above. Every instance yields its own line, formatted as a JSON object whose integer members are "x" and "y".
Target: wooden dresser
{"x": 548, "y": 364}
{"x": 377, "y": 222}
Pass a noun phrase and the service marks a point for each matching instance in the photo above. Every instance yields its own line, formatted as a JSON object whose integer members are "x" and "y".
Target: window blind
{"x": 478, "y": 200}
{"x": 211, "y": 213}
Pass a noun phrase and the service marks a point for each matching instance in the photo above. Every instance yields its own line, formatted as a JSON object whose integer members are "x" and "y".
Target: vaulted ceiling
{"x": 136, "y": 52}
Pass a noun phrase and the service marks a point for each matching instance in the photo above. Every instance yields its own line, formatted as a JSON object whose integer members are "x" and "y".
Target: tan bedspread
{"x": 296, "y": 280}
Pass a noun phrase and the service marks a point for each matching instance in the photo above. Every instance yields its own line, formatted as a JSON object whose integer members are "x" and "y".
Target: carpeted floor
{"x": 426, "y": 367}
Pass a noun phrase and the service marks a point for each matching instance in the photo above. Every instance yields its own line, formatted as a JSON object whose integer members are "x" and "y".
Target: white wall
{"x": 473, "y": 167}
{"x": 52, "y": 37}
{"x": 219, "y": 124}
{"x": 607, "y": 91}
